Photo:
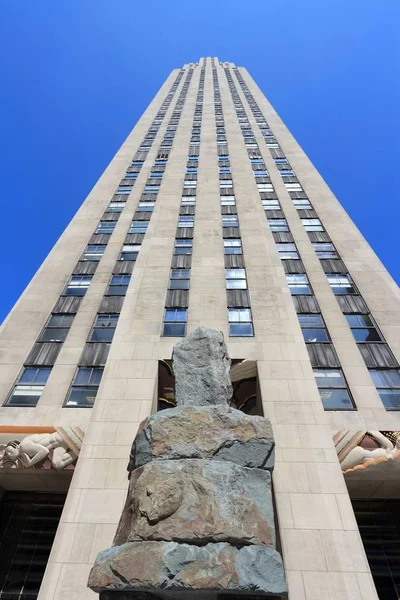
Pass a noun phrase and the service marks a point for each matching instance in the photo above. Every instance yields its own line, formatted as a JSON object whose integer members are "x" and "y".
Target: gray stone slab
{"x": 201, "y": 367}
{"x": 213, "y": 433}
{"x": 162, "y": 569}
{"x": 198, "y": 501}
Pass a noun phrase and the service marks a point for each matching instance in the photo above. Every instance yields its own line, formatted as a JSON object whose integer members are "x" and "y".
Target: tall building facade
{"x": 209, "y": 214}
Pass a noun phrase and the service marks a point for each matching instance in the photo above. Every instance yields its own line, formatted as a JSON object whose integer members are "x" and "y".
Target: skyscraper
{"x": 209, "y": 214}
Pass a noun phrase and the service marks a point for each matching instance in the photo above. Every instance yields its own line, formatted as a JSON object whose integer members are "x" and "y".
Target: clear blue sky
{"x": 77, "y": 74}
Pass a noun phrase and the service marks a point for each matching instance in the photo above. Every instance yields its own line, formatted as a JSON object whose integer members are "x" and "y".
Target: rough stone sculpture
{"x": 198, "y": 521}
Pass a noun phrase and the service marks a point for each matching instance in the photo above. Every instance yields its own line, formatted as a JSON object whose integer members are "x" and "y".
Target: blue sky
{"x": 77, "y": 74}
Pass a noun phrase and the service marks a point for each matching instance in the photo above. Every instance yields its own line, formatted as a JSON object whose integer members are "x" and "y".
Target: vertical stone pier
{"x": 198, "y": 521}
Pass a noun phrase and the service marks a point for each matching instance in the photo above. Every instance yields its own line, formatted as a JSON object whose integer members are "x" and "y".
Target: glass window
{"x": 131, "y": 175}
{"x": 232, "y": 246}
{"x": 236, "y": 279}
{"x": 225, "y": 183}
{"x": 29, "y": 386}
{"x": 175, "y": 322}
{"x": 302, "y": 204}
{"x": 156, "y": 174}
{"x": 116, "y": 207}
{"x": 183, "y": 246}
{"x": 293, "y": 187}
{"x": 104, "y": 328}
{"x": 186, "y": 221}
{"x": 190, "y": 183}
{"x": 230, "y": 221}
{"x": 333, "y": 389}
{"x": 278, "y": 225}
{"x": 387, "y": 382}
{"x": 138, "y": 227}
{"x": 180, "y": 273}
{"x": 124, "y": 189}
{"x": 271, "y": 204}
{"x": 240, "y": 322}
{"x": 93, "y": 252}
{"x": 261, "y": 173}
{"x": 188, "y": 201}
{"x": 151, "y": 189}
{"x": 224, "y": 169}
{"x": 280, "y": 161}
{"x": 341, "y": 284}
{"x": 78, "y": 285}
{"x": 57, "y": 328}
{"x": 265, "y": 187}
{"x": 312, "y": 224}
{"x": 287, "y": 251}
{"x": 129, "y": 252}
{"x": 84, "y": 387}
{"x": 118, "y": 285}
{"x": 145, "y": 206}
{"x": 191, "y": 169}
{"x": 325, "y": 250}
{"x": 105, "y": 227}
{"x": 286, "y": 172}
{"x": 313, "y": 328}
{"x": 298, "y": 284}
{"x": 363, "y": 328}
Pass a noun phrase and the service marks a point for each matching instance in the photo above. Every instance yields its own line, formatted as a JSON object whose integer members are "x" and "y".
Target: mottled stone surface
{"x": 198, "y": 501}
{"x": 171, "y": 566}
{"x": 219, "y": 433}
{"x": 201, "y": 367}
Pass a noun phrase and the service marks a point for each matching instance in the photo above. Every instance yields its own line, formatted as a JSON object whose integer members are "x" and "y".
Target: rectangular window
{"x": 313, "y": 328}
{"x": 227, "y": 200}
{"x": 29, "y": 386}
{"x": 137, "y": 163}
{"x": 129, "y": 252}
{"x": 302, "y": 204}
{"x": 138, "y": 227}
{"x": 84, "y": 387}
{"x": 293, "y": 187}
{"x": 78, "y": 285}
{"x": 57, "y": 328}
{"x": 333, "y": 389}
{"x": 190, "y": 184}
{"x": 94, "y": 252}
{"x": 104, "y": 328}
{"x": 156, "y": 174}
{"x": 175, "y": 322}
{"x": 232, "y": 246}
{"x": 191, "y": 169}
{"x": 271, "y": 204}
{"x": 230, "y": 221}
{"x": 183, "y": 246}
{"x": 188, "y": 201}
{"x": 280, "y": 161}
{"x": 124, "y": 189}
{"x": 179, "y": 279}
{"x": 224, "y": 169}
{"x": 286, "y": 173}
{"x": 278, "y": 225}
{"x": 287, "y": 251}
{"x": 105, "y": 227}
{"x": 325, "y": 250}
{"x": 236, "y": 279}
{"x": 265, "y": 187}
{"x": 387, "y": 382}
{"x": 151, "y": 189}
{"x": 261, "y": 173}
{"x": 312, "y": 224}
{"x": 240, "y": 322}
{"x": 225, "y": 183}
{"x": 145, "y": 206}
{"x": 118, "y": 285}
{"x": 131, "y": 175}
{"x": 298, "y": 284}
{"x": 341, "y": 284}
{"x": 186, "y": 221}
{"x": 363, "y": 328}
{"x": 116, "y": 207}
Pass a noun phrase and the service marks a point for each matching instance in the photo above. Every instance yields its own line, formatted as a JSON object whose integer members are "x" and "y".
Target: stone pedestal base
{"x": 168, "y": 570}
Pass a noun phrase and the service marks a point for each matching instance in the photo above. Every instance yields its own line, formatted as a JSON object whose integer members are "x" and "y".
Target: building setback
{"x": 210, "y": 214}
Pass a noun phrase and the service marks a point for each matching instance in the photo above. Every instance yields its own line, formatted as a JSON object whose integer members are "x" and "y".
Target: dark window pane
{"x": 83, "y": 375}
{"x": 341, "y": 291}
{"x": 128, "y": 256}
{"x": 183, "y": 250}
{"x": 359, "y": 321}
{"x": 336, "y": 399}
{"x": 35, "y": 375}
{"x": 54, "y": 334}
{"x": 61, "y": 321}
{"x": 366, "y": 335}
{"x": 117, "y": 290}
{"x": 102, "y": 334}
{"x": 174, "y": 329}
{"x": 315, "y": 335}
{"x": 83, "y": 396}
{"x": 21, "y": 398}
{"x": 390, "y": 399}
{"x": 179, "y": 284}
{"x": 240, "y": 329}
{"x": 75, "y": 291}
{"x": 302, "y": 290}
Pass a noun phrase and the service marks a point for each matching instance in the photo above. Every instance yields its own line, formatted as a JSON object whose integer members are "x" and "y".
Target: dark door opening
{"x": 28, "y": 524}
{"x": 379, "y": 525}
